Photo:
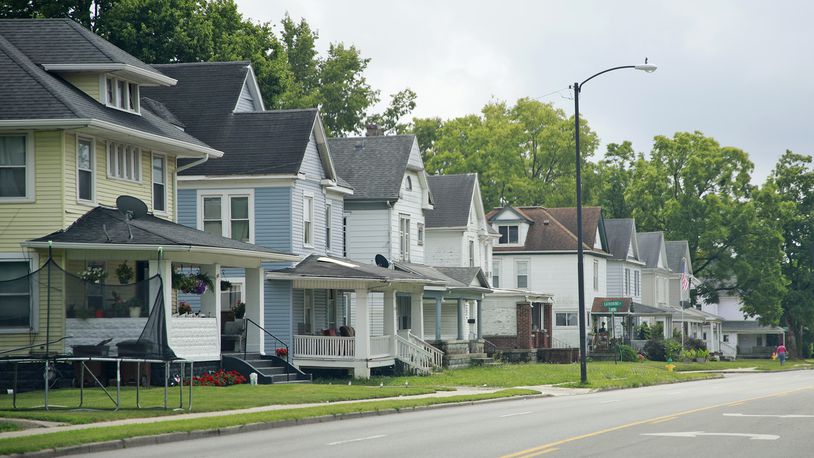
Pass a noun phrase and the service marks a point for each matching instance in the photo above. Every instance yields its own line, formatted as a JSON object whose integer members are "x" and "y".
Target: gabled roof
{"x": 62, "y": 41}
{"x": 554, "y": 229}
{"x": 452, "y": 200}
{"x": 374, "y": 166}
{"x": 519, "y": 214}
{"x": 650, "y": 247}
{"x": 329, "y": 267}
{"x": 451, "y": 277}
{"x": 466, "y": 275}
{"x": 108, "y": 226}
{"x": 621, "y": 233}
{"x": 676, "y": 251}
{"x": 32, "y": 95}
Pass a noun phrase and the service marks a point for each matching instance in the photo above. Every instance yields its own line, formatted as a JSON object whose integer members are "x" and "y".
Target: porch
{"x": 750, "y": 339}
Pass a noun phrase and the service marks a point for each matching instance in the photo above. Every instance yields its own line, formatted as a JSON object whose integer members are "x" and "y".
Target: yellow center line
{"x": 662, "y": 420}
{"x": 543, "y": 452}
{"x": 530, "y": 452}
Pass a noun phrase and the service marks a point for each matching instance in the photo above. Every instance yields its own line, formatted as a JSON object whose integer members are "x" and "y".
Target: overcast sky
{"x": 739, "y": 71}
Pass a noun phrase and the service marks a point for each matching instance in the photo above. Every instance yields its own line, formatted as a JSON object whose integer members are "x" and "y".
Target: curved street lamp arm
{"x": 605, "y": 71}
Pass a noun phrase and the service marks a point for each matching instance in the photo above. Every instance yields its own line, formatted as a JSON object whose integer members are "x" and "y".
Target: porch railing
{"x": 380, "y": 346}
{"x": 333, "y": 347}
{"x": 413, "y": 355}
{"x": 437, "y": 355}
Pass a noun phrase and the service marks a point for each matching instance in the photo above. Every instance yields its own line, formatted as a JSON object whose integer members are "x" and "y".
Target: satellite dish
{"x": 131, "y": 206}
{"x": 381, "y": 261}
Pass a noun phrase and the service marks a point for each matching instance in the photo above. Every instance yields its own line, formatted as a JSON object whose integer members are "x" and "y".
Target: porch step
{"x": 269, "y": 369}
{"x": 484, "y": 362}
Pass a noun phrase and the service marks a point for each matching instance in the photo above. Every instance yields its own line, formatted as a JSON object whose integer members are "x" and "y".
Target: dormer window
{"x": 508, "y": 235}
{"x": 122, "y": 94}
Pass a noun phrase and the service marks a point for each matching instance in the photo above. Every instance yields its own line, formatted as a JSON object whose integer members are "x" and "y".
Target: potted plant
{"x": 184, "y": 307}
{"x": 134, "y": 306}
{"x": 191, "y": 283}
{"x": 239, "y": 309}
{"x": 125, "y": 273}
{"x": 93, "y": 274}
{"x": 281, "y": 352}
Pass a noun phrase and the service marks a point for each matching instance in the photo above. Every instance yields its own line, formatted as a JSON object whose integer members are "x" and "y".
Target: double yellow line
{"x": 553, "y": 446}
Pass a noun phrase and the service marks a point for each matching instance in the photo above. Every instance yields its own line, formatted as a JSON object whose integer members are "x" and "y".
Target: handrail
{"x": 246, "y": 344}
{"x": 494, "y": 347}
{"x": 35, "y": 345}
{"x": 437, "y": 354}
{"x": 416, "y": 350}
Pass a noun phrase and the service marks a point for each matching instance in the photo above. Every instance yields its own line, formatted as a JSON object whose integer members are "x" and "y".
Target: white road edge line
{"x": 609, "y": 401}
{"x": 378, "y": 436}
{"x": 760, "y": 437}
{"x": 515, "y": 414}
{"x": 768, "y": 415}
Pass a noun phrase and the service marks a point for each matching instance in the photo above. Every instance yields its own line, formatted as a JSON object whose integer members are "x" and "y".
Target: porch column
{"x": 460, "y": 316}
{"x": 390, "y": 318}
{"x": 255, "y": 338}
{"x": 438, "y": 303}
{"x": 478, "y": 318}
{"x": 361, "y": 370}
{"x": 210, "y": 300}
{"x": 417, "y": 313}
{"x": 163, "y": 268}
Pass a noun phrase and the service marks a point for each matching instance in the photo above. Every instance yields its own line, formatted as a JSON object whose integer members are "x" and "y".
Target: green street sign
{"x": 612, "y": 306}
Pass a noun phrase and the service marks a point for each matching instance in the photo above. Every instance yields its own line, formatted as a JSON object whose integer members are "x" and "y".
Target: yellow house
{"x": 75, "y": 135}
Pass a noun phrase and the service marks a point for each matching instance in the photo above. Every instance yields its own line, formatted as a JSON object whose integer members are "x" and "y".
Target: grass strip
{"x": 6, "y": 426}
{"x": 110, "y": 433}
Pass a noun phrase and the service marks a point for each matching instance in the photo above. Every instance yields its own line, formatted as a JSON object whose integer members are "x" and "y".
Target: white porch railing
{"x": 381, "y": 346}
{"x": 327, "y": 347}
{"x": 729, "y": 350}
{"x": 437, "y": 355}
{"x": 413, "y": 355}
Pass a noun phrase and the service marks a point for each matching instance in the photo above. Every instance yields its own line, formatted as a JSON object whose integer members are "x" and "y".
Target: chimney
{"x": 373, "y": 130}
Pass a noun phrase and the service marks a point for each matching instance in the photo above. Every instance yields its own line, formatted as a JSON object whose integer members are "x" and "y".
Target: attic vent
{"x": 546, "y": 222}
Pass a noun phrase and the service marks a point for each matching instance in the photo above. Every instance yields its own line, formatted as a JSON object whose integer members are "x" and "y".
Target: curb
{"x": 141, "y": 441}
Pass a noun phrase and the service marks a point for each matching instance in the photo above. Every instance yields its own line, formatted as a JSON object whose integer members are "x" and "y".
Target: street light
{"x": 577, "y": 87}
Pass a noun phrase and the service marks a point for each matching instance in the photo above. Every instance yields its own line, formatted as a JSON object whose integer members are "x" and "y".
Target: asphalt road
{"x": 745, "y": 415}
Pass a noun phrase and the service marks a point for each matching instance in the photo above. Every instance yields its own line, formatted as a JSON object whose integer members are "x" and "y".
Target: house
{"x": 76, "y": 137}
{"x": 537, "y": 251}
{"x": 656, "y": 272}
{"x": 742, "y": 335}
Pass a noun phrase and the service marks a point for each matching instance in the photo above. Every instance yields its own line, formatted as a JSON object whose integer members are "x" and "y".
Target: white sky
{"x": 739, "y": 71}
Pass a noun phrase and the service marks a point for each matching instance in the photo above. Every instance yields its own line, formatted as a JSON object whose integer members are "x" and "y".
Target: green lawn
{"x": 68, "y": 438}
{"x": 759, "y": 364}
{"x": 601, "y": 375}
{"x": 6, "y": 426}
{"x": 204, "y": 399}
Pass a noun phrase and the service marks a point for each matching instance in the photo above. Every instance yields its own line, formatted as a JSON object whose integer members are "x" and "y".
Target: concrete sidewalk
{"x": 546, "y": 390}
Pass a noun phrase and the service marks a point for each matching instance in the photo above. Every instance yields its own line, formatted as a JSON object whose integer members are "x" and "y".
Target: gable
{"x": 250, "y": 98}
{"x": 598, "y": 240}
{"x": 311, "y": 165}
{"x": 415, "y": 161}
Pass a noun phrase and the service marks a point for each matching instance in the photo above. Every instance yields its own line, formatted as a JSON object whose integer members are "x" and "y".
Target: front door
{"x": 404, "y": 312}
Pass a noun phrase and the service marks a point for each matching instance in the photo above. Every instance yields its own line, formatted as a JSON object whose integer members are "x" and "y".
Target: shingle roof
{"x": 751, "y": 326}
{"x": 63, "y": 41}
{"x": 676, "y": 250}
{"x": 338, "y": 268}
{"x": 452, "y": 277}
{"x": 465, "y": 275}
{"x": 619, "y": 232}
{"x": 554, "y": 229}
{"x": 452, "y": 199}
{"x": 650, "y": 247}
{"x": 374, "y": 166}
{"x": 103, "y": 225}
{"x": 29, "y": 92}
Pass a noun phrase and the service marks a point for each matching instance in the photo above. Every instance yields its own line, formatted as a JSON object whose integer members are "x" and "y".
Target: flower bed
{"x": 219, "y": 378}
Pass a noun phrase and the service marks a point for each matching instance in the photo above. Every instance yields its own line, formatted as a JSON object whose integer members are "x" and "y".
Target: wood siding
{"x": 367, "y": 234}
{"x": 89, "y": 83}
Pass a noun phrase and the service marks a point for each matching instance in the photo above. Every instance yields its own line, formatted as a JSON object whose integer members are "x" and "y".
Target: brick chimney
{"x": 373, "y": 130}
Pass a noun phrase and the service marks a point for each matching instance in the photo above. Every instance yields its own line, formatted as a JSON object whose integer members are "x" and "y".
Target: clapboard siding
{"x": 312, "y": 173}
{"x": 616, "y": 278}
{"x": 278, "y": 312}
{"x": 89, "y": 83}
{"x": 187, "y": 208}
{"x": 367, "y": 234}
{"x": 409, "y": 204}
{"x": 272, "y": 215}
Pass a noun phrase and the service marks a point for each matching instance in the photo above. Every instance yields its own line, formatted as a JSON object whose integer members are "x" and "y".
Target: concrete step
{"x": 484, "y": 362}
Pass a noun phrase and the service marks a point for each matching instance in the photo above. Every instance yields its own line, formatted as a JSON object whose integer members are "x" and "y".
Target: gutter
{"x": 264, "y": 256}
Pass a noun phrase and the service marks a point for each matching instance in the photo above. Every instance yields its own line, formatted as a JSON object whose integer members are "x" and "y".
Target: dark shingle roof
{"x": 63, "y": 41}
{"x": 332, "y": 267}
{"x": 452, "y": 199}
{"x": 451, "y": 277}
{"x": 676, "y": 250}
{"x": 465, "y": 275}
{"x": 161, "y": 111}
{"x": 650, "y": 247}
{"x": 104, "y": 225}
{"x": 620, "y": 232}
{"x": 29, "y": 92}
{"x": 554, "y": 229}
{"x": 374, "y": 166}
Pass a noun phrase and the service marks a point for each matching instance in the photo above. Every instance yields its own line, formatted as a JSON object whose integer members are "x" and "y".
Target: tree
{"x": 696, "y": 190}
{"x": 402, "y": 103}
{"x": 614, "y": 175}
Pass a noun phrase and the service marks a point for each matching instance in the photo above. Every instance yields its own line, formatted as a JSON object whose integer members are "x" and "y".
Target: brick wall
{"x": 524, "y": 337}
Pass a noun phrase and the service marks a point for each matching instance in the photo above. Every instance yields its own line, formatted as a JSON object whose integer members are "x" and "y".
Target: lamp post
{"x": 577, "y": 87}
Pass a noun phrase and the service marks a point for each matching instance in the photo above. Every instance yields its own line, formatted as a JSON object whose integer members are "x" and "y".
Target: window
{"x": 496, "y": 274}
{"x": 16, "y": 178}
{"x": 123, "y": 161}
{"x": 404, "y": 237}
{"x": 84, "y": 169}
{"x": 239, "y": 218}
{"x": 596, "y": 275}
{"x": 308, "y": 310}
{"x": 159, "y": 183}
{"x": 420, "y": 233}
{"x": 726, "y": 337}
{"x": 637, "y": 282}
{"x": 122, "y": 94}
{"x": 228, "y": 214}
{"x": 508, "y": 234}
{"x": 344, "y": 236}
{"x": 15, "y": 294}
{"x": 404, "y": 313}
{"x": 522, "y": 271}
{"x": 567, "y": 319}
{"x": 408, "y": 184}
{"x": 308, "y": 221}
{"x": 328, "y": 216}
{"x": 536, "y": 316}
{"x": 471, "y": 253}
{"x": 627, "y": 282}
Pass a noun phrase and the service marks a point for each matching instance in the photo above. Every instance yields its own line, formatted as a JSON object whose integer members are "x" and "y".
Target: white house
{"x": 742, "y": 335}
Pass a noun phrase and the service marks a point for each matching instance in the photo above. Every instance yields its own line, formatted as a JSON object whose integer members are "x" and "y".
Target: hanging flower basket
{"x": 93, "y": 274}
{"x": 191, "y": 283}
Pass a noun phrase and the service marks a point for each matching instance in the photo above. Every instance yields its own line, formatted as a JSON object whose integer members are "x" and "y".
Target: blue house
{"x": 276, "y": 186}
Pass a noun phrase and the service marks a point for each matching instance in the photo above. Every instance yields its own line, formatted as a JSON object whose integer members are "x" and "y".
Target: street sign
{"x": 613, "y": 305}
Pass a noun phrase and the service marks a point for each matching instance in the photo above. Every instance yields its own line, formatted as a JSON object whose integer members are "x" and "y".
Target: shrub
{"x": 691, "y": 343}
{"x": 627, "y": 353}
{"x": 657, "y": 331}
{"x": 644, "y": 332}
{"x": 661, "y": 350}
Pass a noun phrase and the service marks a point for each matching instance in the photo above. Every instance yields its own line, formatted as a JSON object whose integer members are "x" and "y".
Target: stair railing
{"x": 285, "y": 345}
{"x": 437, "y": 355}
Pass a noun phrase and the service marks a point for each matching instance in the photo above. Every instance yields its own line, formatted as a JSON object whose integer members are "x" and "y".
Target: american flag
{"x": 685, "y": 280}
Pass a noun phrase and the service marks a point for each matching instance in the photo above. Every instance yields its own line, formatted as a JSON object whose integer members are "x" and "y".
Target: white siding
{"x": 367, "y": 234}
{"x": 499, "y": 316}
{"x": 309, "y": 185}
{"x": 410, "y": 203}
{"x": 444, "y": 248}
{"x": 616, "y": 279}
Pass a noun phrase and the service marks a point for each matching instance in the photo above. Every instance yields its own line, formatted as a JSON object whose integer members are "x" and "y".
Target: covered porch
{"x": 750, "y": 339}
{"x": 332, "y": 326}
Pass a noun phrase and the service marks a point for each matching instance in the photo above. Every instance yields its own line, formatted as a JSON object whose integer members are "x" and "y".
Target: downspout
{"x": 390, "y": 230}
{"x": 175, "y": 181}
